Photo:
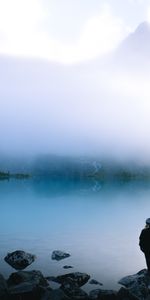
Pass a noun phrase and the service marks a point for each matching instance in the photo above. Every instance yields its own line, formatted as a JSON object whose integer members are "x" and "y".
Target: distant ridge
{"x": 137, "y": 43}
{"x": 144, "y": 27}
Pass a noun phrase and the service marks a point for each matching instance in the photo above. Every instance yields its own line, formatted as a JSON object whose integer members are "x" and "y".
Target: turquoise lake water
{"x": 97, "y": 223}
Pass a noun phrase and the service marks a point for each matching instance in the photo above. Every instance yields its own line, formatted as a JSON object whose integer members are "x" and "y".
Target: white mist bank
{"x": 100, "y": 108}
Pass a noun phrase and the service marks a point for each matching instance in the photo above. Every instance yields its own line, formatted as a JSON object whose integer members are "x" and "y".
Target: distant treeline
{"x": 8, "y": 175}
{"x": 79, "y": 168}
{"x": 82, "y": 168}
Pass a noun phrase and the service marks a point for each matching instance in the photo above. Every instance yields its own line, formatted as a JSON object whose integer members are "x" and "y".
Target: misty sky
{"x": 67, "y": 30}
{"x": 100, "y": 107}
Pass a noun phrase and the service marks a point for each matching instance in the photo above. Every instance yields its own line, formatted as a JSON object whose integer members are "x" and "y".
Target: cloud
{"x": 23, "y": 33}
{"x": 101, "y": 34}
{"x": 19, "y": 21}
{"x": 148, "y": 14}
{"x": 19, "y": 17}
{"x": 136, "y": 1}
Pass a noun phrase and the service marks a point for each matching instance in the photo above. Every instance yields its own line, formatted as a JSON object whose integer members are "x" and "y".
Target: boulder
{"x": 25, "y": 291}
{"x": 124, "y": 294}
{"x": 77, "y": 278}
{"x": 100, "y": 294}
{"x": 73, "y": 291}
{"x": 138, "y": 284}
{"x": 58, "y": 255}
{"x": 19, "y": 259}
{"x": 35, "y": 278}
{"x": 27, "y": 285}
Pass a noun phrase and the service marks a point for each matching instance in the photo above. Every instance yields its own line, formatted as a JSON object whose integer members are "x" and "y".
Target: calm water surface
{"x": 97, "y": 223}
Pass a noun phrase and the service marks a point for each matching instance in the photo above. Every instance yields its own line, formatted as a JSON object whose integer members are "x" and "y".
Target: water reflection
{"x": 97, "y": 222}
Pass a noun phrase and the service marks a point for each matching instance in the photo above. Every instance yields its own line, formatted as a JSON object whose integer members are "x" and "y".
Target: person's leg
{"x": 147, "y": 257}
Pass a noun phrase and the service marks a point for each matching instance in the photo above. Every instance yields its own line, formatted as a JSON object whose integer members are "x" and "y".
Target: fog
{"x": 100, "y": 108}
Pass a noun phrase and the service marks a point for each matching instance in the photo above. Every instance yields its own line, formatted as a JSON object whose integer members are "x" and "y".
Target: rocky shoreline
{"x": 23, "y": 285}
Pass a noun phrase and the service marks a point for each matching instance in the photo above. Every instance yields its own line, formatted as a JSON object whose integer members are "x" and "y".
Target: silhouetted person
{"x": 144, "y": 242}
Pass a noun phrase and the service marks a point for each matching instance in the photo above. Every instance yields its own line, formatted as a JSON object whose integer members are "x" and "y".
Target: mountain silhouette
{"x": 135, "y": 49}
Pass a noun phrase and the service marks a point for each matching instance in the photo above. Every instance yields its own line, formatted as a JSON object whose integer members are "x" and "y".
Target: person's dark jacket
{"x": 144, "y": 240}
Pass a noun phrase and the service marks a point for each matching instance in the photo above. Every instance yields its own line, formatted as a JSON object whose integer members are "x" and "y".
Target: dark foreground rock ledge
{"x": 138, "y": 284}
{"x": 26, "y": 285}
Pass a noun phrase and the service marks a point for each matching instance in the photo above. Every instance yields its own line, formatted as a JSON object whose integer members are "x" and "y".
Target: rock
{"x": 72, "y": 290}
{"x": 19, "y": 260}
{"x": 71, "y": 283}
{"x": 103, "y": 295}
{"x": 124, "y": 294}
{"x": 26, "y": 291}
{"x": 34, "y": 278}
{"x": 27, "y": 285}
{"x": 24, "y": 287}
{"x": 67, "y": 267}
{"x": 93, "y": 281}
{"x": 78, "y": 278}
{"x": 129, "y": 280}
{"x": 3, "y": 288}
{"x": 137, "y": 284}
{"x": 58, "y": 255}
{"x": 56, "y": 294}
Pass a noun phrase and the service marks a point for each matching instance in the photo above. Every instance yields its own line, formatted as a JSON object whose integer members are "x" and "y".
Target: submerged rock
{"x": 58, "y": 255}
{"x": 79, "y": 279}
{"x": 93, "y": 281}
{"x": 19, "y": 259}
{"x": 67, "y": 267}
{"x": 138, "y": 284}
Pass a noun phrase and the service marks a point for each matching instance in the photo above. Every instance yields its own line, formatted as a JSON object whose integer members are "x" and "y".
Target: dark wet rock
{"x": 32, "y": 277}
{"x": 78, "y": 278}
{"x": 27, "y": 285}
{"x": 138, "y": 284}
{"x": 100, "y": 294}
{"x": 25, "y": 291}
{"x": 3, "y": 288}
{"x": 67, "y": 267}
{"x": 56, "y": 294}
{"x": 124, "y": 294}
{"x": 58, "y": 255}
{"x": 24, "y": 287}
{"x": 93, "y": 281}
{"x": 73, "y": 291}
{"x": 19, "y": 259}
{"x": 46, "y": 295}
